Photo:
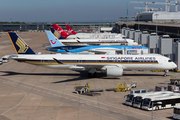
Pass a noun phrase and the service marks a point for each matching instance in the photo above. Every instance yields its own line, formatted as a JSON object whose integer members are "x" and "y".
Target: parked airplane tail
{"x": 53, "y": 40}
{"x": 19, "y": 45}
{"x": 60, "y": 31}
{"x": 70, "y": 30}
{"x": 56, "y": 33}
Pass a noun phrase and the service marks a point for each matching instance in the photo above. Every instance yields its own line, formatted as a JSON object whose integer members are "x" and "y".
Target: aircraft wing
{"x": 97, "y": 66}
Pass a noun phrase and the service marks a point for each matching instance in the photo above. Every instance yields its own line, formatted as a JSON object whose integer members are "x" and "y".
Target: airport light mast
{"x": 145, "y": 3}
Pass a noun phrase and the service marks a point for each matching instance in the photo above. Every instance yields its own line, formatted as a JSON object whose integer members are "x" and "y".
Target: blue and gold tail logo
{"x": 19, "y": 45}
{"x": 22, "y": 46}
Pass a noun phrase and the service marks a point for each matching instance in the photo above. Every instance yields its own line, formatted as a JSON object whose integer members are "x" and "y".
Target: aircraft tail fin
{"x": 53, "y": 40}
{"x": 60, "y": 31}
{"x": 19, "y": 45}
{"x": 56, "y": 33}
{"x": 70, "y": 30}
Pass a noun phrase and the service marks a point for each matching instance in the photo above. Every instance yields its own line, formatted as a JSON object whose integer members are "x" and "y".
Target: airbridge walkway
{"x": 172, "y": 29}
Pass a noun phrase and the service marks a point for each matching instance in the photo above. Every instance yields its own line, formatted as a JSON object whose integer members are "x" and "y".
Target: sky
{"x": 69, "y": 10}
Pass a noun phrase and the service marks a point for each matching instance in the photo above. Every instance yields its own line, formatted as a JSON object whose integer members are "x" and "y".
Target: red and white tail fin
{"x": 60, "y": 31}
{"x": 70, "y": 30}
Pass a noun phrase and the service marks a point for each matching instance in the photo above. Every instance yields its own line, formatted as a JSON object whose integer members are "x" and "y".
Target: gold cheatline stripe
{"x": 53, "y": 62}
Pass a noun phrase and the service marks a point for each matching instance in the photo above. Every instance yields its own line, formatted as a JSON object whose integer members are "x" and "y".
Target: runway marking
{"x": 3, "y": 95}
{"x": 57, "y": 100}
{"x": 18, "y": 103}
{"x": 115, "y": 111}
{"x": 55, "y": 95}
{"x": 104, "y": 108}
{"x": 106, "y": 104}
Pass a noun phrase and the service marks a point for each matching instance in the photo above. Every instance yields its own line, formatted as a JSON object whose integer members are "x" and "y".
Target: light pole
{"x": 156, "y": 103}
{"x": 138, "y": 20}
{"x": 120, "y": 23}
{"x": 152, "y": 110}
{"x": 156, "y": 32}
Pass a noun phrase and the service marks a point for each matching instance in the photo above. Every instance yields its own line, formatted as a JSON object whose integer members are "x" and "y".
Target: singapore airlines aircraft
{"x": 58, "y": 46}
{"x": 112, "y": 65}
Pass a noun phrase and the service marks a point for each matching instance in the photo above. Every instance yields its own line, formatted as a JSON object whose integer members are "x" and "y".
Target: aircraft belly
{"x": 139, "y": 66}
{"x": 58, "y": 66}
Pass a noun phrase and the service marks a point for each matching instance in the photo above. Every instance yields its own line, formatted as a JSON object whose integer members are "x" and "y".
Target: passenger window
{"x": 169, "y": 60}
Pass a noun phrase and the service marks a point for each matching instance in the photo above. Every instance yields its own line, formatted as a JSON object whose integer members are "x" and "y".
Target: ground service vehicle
{"x": 139, "y": 99}
{"x": 130, "y": 97}
{"x": 162, "y": 102}
{"x": 176, "y": 112}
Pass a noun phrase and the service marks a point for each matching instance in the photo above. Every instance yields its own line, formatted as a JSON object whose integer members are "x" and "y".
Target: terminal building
{"x": 159, "y": 16}
{"x": 159, "y": 44}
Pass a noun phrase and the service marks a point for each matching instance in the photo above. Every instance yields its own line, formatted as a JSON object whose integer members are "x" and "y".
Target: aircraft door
{"x": 80, "y": 60}
{"x": 42, "y": 60}
{"x": 160, "y": 61}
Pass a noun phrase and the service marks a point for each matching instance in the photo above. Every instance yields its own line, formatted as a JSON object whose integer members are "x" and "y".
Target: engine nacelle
{"x": 114, "y": 71}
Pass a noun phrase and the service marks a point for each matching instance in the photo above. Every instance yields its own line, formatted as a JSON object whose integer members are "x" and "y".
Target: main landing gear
{"x": 92, "y": 73}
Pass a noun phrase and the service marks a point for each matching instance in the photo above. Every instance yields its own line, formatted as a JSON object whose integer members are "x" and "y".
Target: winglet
{"x": 19, "y": 45}
{"x": 78, "y": 41}
{"x": 53, "y": 40}
{"x": 60, "y": 31}
{"x": 70, "y": 30}
{"x": 59, "y": 62}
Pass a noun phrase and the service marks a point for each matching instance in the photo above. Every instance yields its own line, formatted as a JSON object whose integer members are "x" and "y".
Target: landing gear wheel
{"x": 164, "y": 75}
{"x": 92, "y": 75}
{"x": 89, "y": 75}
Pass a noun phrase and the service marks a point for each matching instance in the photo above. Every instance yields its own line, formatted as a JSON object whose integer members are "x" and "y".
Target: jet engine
{"x": 114, "y": 71}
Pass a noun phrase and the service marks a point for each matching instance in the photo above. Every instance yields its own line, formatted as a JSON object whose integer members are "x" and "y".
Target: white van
{"x": 1, "y": 62}
{"x": 6, "y": 58}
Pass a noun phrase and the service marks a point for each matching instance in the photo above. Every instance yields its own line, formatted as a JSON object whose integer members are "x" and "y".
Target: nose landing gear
{"x": 165, "y": 73}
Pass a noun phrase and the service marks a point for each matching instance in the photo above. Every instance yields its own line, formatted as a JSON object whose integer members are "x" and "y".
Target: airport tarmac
{"x": 29, "y": 92}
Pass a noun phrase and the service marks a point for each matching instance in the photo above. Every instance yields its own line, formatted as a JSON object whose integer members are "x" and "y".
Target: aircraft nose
{"x": 174, "y": 65}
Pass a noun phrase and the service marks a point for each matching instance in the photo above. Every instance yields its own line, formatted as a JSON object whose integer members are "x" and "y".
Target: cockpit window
{"x": 169, "y": 60}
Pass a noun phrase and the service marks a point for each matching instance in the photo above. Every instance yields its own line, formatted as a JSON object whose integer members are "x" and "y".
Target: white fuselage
{"x": 73, "y": 61}
{"x": 96, "y": 36}
{"x": 98, "y": 41}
